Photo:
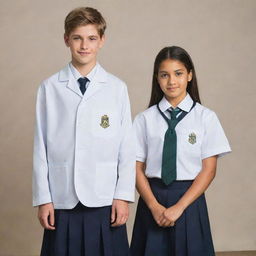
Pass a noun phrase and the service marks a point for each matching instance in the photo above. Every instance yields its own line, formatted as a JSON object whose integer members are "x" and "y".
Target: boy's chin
{"x": 84, "y": 62}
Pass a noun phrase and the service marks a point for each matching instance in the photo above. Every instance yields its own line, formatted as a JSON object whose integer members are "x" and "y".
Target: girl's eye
{"x": 163, "y": 75}
{"x": 179, "y": 73}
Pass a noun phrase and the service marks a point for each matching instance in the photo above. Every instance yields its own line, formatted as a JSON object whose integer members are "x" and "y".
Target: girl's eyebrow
{"x": 163, "y": 71}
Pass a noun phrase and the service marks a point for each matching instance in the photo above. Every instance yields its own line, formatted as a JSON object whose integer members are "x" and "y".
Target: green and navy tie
{"x": 169, "y": 157}
{"x": 170, "y": 149}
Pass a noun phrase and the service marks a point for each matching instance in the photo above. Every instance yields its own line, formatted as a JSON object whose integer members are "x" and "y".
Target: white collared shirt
{"x": 199, "y": 135}
{"x": 77, "y": 74}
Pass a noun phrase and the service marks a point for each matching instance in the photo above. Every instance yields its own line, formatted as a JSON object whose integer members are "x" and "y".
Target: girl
{"x": 178, "y": 143}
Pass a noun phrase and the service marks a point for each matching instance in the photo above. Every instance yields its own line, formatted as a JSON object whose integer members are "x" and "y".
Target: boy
{"x": 84, "y": 159}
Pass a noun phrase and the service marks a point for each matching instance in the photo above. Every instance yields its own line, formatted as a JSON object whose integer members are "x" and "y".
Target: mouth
{"x": 171, "y": 88}
{"x": 83, "y": 53}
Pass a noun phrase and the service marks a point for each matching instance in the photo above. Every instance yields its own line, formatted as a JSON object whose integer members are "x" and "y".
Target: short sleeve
{"x": 215, "y": 141}
{"x": 140, "y": 137}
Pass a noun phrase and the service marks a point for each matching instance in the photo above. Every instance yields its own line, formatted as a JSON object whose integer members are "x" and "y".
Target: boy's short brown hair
{"x": 84, "y": 16}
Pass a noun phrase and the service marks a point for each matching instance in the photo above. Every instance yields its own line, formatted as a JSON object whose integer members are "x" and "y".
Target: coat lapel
{"x": 66, "y": 76}
{"x": 98, "y": 82}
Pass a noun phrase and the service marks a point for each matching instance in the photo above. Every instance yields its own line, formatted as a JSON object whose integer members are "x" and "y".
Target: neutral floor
{"x": 248, "y": 253}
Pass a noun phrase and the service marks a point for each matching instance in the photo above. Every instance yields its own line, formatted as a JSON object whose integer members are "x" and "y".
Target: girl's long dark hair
{"x": 173, "y": 53}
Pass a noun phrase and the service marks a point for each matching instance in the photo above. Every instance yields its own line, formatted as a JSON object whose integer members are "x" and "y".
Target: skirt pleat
{"x": 191, "y": 235}
{"x": 92, "y": 238}
{"x": 75, "y": 234}
{"x": 84, "y": 231}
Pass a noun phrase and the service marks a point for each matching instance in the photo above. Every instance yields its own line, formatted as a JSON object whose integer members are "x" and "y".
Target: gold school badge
{"x": 104, "y": 121}
{"x": 192, "y": 138}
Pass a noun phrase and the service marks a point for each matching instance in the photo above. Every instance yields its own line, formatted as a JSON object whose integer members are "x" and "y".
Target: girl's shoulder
{"x": 206, "y": 114}
{"x": 146, "y": 114}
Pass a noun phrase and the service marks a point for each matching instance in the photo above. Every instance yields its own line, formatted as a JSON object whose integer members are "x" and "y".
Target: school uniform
{"x": 84, "y": 158}
{"x": 199, "y": 135}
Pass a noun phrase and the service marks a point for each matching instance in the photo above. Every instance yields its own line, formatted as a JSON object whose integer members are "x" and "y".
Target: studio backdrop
{"x": 219, "y": 35}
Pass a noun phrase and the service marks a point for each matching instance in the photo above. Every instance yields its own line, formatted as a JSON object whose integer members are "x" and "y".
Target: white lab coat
{"x": 75, "y": 158}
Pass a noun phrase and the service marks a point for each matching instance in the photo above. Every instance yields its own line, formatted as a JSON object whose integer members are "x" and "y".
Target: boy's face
{"x": 84, "y": 43}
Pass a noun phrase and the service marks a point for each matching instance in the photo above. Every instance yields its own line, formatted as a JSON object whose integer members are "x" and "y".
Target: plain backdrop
{"x": 219, "y": 35}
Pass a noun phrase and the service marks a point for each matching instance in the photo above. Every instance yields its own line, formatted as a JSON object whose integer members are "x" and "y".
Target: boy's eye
{"x": 92, "y": 38}
{"x": 76, "y": 38}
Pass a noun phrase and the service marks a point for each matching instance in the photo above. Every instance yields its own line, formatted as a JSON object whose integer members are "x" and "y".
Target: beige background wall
{"x": 219, "y": 35}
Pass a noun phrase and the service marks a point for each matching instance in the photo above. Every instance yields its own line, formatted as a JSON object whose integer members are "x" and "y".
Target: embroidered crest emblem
{"x": 104, "y": 122}
{"x": 192, "y": 138}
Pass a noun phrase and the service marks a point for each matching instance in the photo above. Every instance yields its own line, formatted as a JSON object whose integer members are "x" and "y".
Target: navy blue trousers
{"x": 191, "y": 235}
{"x": 84, "y": 231}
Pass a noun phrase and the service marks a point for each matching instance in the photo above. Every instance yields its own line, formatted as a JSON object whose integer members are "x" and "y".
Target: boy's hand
{"x": 46, "y": 216}
{"x": 119, "y": 213}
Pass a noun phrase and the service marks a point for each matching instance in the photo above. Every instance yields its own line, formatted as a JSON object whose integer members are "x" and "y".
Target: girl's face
{"x": 173, "y": 79}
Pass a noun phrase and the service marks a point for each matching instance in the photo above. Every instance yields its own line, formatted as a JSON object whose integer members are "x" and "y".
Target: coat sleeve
{"x": 40, "y": 183}
{"x": 140, "y": 138}
{"x": 125, "y": 187}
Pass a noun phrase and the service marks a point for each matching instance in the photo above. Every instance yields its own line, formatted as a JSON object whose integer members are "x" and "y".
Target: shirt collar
{"x": 77, "y": 75}
{"x": 184, "y": 105}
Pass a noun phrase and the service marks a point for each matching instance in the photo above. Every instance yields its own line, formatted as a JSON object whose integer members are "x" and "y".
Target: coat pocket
{"x": 106, "y": 178}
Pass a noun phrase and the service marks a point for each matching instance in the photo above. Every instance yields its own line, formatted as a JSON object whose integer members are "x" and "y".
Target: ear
{"x": 190, "y": 76}
{"x": 66, "y": 40}
{"x": 102, "y": 41}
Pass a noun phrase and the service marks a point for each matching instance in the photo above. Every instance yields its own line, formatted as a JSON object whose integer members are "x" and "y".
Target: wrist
{"x": 182, "y": 205}
{"x": 120, "y": 201}
{"x": 152, "y": 204}
{"x": 46, "y": 204}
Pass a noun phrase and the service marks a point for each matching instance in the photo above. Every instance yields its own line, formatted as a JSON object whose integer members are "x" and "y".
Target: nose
{"x": 171, "y": 80}
{"x": 83, "y": 44}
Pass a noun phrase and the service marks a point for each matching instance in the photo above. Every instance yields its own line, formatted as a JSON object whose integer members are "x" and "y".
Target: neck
{"x": 84, "y": 69}
{"x": 175, "y": 101}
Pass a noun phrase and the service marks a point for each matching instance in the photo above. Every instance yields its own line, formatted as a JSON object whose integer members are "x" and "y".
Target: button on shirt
{"x": 199, "y": 135}
{"x": 77, "y": 75}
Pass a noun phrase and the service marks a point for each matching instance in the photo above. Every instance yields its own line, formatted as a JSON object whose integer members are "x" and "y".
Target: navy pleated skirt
{"x": 84, "y": 231}
{"x": 191, "y": 235}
